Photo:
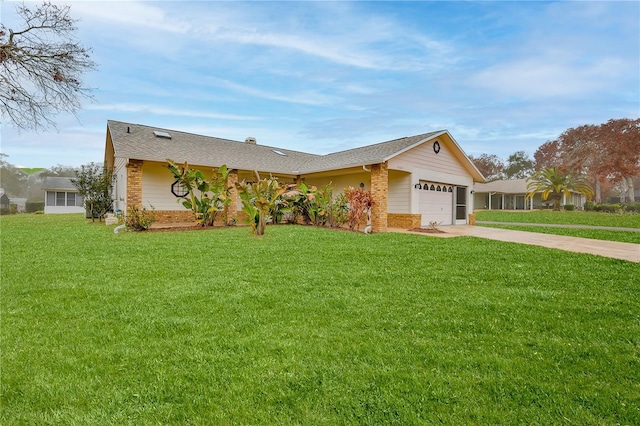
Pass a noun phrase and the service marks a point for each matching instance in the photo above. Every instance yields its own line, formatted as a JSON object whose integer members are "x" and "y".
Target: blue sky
{"x": 327, "y": 76}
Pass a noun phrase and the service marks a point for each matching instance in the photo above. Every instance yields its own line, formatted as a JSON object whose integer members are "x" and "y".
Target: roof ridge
{"x": 211, "y": 137}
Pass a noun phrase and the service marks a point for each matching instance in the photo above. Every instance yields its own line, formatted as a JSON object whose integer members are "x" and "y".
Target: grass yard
{"x": 562, "y": 217}
{"x": 567, "y": 218}
{"x": 309, "y": 326}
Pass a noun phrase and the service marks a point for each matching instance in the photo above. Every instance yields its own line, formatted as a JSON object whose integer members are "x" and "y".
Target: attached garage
{"x": 436, "y": 203}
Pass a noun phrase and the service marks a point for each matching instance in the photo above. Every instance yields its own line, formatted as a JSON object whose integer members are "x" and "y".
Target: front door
{"x": 461, "y": 205}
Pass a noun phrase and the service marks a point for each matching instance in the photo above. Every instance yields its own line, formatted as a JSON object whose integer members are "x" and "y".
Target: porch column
{"x": 134, "y": 183}
{"x": 231, "y": 212}
{"x": 380, "y": 195}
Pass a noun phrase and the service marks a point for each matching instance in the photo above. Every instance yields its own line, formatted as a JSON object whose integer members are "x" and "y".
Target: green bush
{"x": 631, "y": 207}
{"x": 569, "y": 207}
{"x": 33, "y": 206}
{"x": 589, "y": 206}
{"x": 12, "y": 209}
{"x": 608, "y": 208}
{"x": 139, "y": 220}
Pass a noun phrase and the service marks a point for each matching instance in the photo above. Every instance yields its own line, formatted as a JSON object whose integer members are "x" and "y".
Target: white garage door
{"x": 436, "y": 204}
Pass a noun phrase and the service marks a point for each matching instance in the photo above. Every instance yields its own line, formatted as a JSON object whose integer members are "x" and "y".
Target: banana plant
{"x": 259, "y": 198}
{"x": 204, "y": 197}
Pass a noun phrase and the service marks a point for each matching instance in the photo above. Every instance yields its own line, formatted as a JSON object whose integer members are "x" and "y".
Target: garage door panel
{"x": 436, "y": 206}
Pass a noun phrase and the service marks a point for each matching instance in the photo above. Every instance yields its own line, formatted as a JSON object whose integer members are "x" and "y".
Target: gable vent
{"x": 160, "y": 134}
{"x": 250, "y": 140}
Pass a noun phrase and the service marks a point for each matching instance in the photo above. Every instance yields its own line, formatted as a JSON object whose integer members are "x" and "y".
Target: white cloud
{"x": 169, "y": 111}
{"x": 130, "y": 14}
{"x": 541, "y": 78}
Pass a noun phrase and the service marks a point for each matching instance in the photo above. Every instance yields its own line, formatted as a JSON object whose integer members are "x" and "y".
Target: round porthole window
{"x": 436, "y": 147}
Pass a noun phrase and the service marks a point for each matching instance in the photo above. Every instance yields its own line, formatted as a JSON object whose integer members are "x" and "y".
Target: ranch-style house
{"x": 414, "y": 181}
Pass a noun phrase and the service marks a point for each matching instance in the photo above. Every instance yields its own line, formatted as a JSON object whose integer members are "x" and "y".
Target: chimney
{"x": 250, "y": 140}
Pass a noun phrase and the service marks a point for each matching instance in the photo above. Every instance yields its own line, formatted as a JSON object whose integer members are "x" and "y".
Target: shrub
{"x": 360, "y": 202}
{"x": 589, "y": 206}
{"x": 12, "y": 209}
{"x": 139, "y": 220}
{"x": 609, "y": 208}
{"x": 569, "y": 207}
{"x": 339, "y": 211}
{"x": 631, "y": 207}
{"x": 33, "y": 206}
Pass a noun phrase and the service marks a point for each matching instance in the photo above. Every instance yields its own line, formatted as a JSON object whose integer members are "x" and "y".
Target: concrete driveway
{"x": 616, "y": 250}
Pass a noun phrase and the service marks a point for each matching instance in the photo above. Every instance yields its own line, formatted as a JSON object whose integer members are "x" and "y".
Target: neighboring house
{"x": 4, "y": 199}
{"x": 511, "y": 195}
{"x": 413, "y": 180}
{"x": 61, "y": 196}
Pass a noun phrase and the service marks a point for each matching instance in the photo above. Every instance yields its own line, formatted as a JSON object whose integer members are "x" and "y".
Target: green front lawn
{"x": 562, "y": 217}
{"x": 630, "y": 220}
{"x": 309, "y": 326}
{"x": 567, "y": 218}
{"x": 595, "y": 234}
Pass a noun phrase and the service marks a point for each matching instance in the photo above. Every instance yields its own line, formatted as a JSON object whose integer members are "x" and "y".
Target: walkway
{"x": 612, "y": 249}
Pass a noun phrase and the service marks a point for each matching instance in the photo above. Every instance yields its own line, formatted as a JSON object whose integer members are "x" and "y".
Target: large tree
{"x": 94, "y": 183}
{"x": 519, "y": 166}
{"x": 59, "y": 171}
{"x": 552, "y": 182}
{"x": 12, "y": 179}
{"x": 621, "y": 139}
{"x": 42, "y": 66}
{"x": 548, "y": 155}
{"x": 607, "y": 154}
{"x": 489, "y": 165}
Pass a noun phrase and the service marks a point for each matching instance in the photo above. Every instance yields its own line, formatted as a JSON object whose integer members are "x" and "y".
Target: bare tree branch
{"x": 41, "y": 68}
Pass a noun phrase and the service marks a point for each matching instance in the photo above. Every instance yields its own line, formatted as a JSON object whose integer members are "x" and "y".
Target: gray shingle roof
{"x": 512, "y": 186}
{"x": 63, "y": 183}
{"x": 139, "y": 142}
{"x": 370, "y": 154}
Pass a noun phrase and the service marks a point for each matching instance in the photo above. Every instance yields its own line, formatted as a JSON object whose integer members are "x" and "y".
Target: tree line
{"x": 607, "y": 155}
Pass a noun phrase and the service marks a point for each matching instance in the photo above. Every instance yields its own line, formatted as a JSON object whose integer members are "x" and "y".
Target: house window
{"x": 51, "y": 198}
{"x": 71, "y": 198}
{"x": 61, "y": 198}
{"x": 179, "y": 190}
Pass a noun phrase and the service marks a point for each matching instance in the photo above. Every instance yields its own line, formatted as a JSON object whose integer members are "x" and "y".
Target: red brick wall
{"x": 380, "y": 195}
{"x": 404, "y": 221}
{"x": 170, "y": 216}
{"x": 134, "y": 183}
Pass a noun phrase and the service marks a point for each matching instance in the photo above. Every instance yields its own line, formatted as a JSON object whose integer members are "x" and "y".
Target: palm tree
{"x": 551, "y": 181}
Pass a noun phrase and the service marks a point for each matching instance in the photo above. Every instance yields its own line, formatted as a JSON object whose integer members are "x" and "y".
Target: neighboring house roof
{"x": 59, "y": 183}
{"x": 511, "y": 186}
{"x": 134, "y": 141}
